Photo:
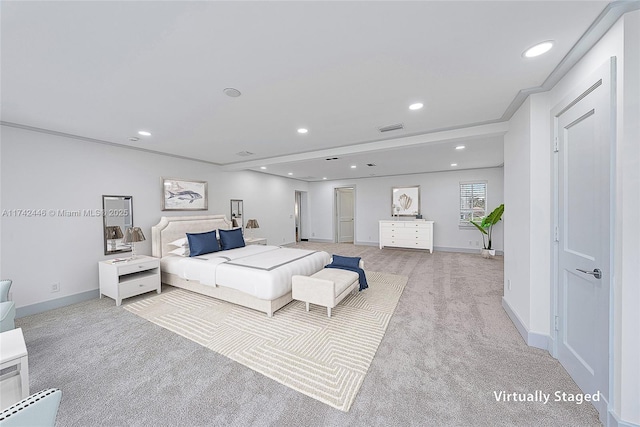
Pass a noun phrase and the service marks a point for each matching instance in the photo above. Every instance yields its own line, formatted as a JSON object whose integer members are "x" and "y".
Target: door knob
{"x": 595, "y": 273}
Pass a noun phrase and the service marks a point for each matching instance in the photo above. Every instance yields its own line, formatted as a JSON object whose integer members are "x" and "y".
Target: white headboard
{"x": 171, "y": 228}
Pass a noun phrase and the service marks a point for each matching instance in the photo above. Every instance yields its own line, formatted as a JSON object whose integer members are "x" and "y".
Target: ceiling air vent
{"x": 371, "y": 164}
{"x": 332, "y": 158}
{"x": 389, "y": 128}
{"x": 245, "y": 153}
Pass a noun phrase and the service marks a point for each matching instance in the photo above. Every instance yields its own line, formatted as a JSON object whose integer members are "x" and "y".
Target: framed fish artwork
{"x": 405, "y": 201}
{"x": 183, "y": 195}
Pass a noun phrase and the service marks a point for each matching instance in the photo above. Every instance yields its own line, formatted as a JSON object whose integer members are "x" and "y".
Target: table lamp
{"x": 133, "y": 235}
{"x": 251, "y": 224}
{"x": 113, "y": 233}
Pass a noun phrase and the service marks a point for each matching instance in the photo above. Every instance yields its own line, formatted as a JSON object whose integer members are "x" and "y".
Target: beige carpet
{"x": 324, "y": 358}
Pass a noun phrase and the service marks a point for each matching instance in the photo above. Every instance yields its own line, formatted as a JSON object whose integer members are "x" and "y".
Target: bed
{"x": 256, "y": 276}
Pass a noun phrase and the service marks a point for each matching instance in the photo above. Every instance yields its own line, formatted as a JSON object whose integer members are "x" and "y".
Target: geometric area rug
{"x": 321, "y": 357}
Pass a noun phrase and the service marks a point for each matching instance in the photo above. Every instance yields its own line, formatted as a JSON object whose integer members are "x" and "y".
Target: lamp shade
{"x": 252, "y": 223}
{"x": 132, "y": 235}
{"x": 112, "y": 232}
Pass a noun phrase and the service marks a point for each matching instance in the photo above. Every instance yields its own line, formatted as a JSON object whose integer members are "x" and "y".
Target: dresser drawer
{"x": 392, "y": 224}
{"x": 133, "y": 268}
{"x": 138, "y": 286}
{"x": 422, "y": 225}
{"x": 390, "y": 232}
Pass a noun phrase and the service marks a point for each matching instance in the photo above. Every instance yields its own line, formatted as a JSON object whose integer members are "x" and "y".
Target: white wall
{"x": 42, "y": 171}
{"x": 517, "y": 228}
{"x": 623, "y": 42}
{"x": 626, "y": 321}
{"x": 439, "y": 202}
{"x": 528, "y": 187}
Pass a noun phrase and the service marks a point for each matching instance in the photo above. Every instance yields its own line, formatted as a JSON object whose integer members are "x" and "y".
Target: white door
{"x": 344, "y": 215}
{"x": 583, "y": 128}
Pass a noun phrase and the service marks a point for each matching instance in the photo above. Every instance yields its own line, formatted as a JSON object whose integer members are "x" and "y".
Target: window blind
{"x": 473, "y": 196}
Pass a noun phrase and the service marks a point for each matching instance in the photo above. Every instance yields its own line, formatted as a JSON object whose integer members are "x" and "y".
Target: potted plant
{"x": 486, "y": 227}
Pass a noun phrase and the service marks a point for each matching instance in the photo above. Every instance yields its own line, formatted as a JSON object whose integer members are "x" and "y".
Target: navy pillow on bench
{"x": 352, "y": 264}
{"x": 231, "y": 239}
{"x": 344, "y": 261}
{"x": 202, "y": 243}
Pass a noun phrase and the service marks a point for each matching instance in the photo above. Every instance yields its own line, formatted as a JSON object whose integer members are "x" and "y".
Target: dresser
{"x": 407, "y": 234}
{"x": 124, "y": 279}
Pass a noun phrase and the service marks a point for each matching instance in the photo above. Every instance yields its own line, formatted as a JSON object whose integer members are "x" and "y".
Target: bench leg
{"x": 328, "y": 311}
{"x": 307, "y": 305}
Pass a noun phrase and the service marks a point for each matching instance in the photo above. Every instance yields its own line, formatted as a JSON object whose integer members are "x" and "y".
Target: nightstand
{"x": 124, "y": 279}
{"x": 255, "y": 241}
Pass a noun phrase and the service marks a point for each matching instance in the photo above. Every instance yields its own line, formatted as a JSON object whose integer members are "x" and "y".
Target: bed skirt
{"x": 228, "y": 294}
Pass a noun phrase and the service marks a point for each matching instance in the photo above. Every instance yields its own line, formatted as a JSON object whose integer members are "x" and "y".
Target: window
{"x": 473, "y": 197}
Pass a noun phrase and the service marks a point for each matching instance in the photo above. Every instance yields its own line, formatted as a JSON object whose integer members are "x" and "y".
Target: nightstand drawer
{"x": 138, "y": 286}
{"x": 139, "y": 266}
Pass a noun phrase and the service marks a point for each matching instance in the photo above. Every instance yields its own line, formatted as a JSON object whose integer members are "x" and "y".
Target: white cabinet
{"x": 407, "y": 234}
{"x": 119, "y": 280}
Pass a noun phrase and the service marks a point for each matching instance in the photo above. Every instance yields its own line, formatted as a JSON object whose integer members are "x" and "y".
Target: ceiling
{"x": 102, "y": 71}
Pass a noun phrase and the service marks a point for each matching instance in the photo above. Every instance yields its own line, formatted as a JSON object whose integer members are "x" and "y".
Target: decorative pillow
{"x": 231, "y": 239}
{"x": 180, "y": 243}
{"x": 202, "y": 243}
{"x": 344, "y": 261}
{"x": 183, "y": 251}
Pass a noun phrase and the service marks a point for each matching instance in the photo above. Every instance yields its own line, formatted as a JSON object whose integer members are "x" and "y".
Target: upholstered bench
{"x": 327, "y": 287}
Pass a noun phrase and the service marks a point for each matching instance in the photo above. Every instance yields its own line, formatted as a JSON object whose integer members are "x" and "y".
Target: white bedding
{"x": 262, "y": 271}
{"x": 268, "y": 275}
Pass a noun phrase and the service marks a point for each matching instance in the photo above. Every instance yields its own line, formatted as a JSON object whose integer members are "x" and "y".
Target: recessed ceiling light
{"x": 454, "y": 164}
{"x": 538, "y": 49}
{"x": 232, "y": 92}
{"x": 416, "y": 106}
{"x": 290, "y": 173}
{"x": 460, "y": 147}
{"x": 263, "y": 167}
{"x": 324, "y": 177}
{"x": 144, "y": 133}
{"x": 303, "y": 130}
{"x": 353, "y": 166}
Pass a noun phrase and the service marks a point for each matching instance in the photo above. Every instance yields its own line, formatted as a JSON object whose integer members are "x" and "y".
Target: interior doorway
{"x": 298, "y": 212}
{"x": 344, "y": 215}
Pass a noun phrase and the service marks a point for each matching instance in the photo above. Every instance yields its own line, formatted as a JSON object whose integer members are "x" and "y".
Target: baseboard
{"x": 532, "y": 339}
{"x": 462, "y": 250}
{"x": 321, "y": 240}
{"x": 41, "y": 307}
{"x": 614, "y": 421}
{"x": 367, "y": 243}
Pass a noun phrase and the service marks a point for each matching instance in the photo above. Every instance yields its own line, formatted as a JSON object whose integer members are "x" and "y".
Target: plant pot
{"x": 488, "y": 253}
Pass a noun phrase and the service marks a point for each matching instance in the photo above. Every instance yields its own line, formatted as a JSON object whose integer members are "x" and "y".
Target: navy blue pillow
{"x": 231, "y": 239}
{"x": 345, "y": 261}
{"x": 202, "y": 243}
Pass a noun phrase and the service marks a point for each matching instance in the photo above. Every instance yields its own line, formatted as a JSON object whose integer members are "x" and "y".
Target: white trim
{"x": 41, "y": 307}
{"x": 614, "y": 421}
{"x": 533, "y": 339}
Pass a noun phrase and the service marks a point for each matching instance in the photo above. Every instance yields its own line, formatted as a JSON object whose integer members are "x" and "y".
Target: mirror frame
{"x": 107, "y": 213}
{"x": 240, "y": 215}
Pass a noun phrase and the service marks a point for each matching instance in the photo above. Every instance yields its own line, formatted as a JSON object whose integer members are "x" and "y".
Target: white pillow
{"x": 181, "y": 243}
{"x": 183, "y": 251}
